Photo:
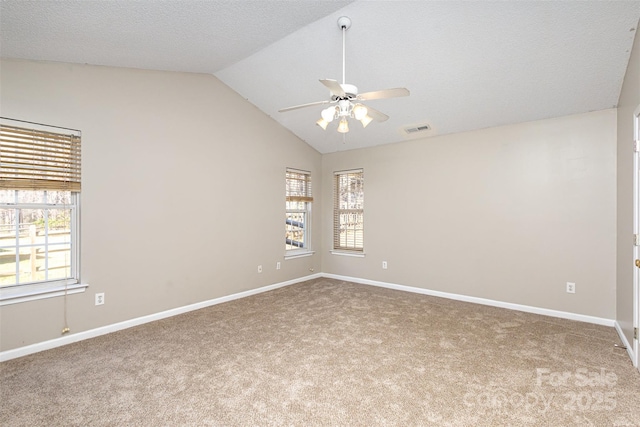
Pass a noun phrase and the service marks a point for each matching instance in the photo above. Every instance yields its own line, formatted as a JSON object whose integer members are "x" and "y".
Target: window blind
{"x": 34, "y": 159}
{"x": 348, "y": 210}
{"x": 298, "y": 186}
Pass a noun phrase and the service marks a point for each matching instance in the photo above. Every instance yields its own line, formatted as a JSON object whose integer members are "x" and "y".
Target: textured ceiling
{"x": 468, "y": 65}
{"x": 201, "y": 36}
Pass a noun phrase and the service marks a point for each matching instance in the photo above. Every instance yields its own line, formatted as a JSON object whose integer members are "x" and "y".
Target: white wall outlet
{"x": 260, "y": 269}
{"x": 571, "y": 288}
{"x": 100, "y": 298}
{"x": 384, "y": 265}
{"x": 278, "y": 265}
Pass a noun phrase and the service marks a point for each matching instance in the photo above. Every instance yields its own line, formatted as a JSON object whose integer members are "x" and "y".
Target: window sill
{"x": 299, "y": 255}
{"x": 38, "y": 291}
{"x": 348, "y": 253}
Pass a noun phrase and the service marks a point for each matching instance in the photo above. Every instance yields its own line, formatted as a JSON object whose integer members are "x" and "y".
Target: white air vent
{"x": 415, "y": 129}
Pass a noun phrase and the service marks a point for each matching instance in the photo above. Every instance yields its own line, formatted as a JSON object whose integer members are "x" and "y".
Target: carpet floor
{"x": 334, "y": 353}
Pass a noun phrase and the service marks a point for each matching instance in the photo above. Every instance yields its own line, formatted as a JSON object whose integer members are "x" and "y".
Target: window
{"x": 39, "y": 198}
{"x": 36, "y": 230}
{"x": 348, "y": 211}
{"x": 298, "y": 211}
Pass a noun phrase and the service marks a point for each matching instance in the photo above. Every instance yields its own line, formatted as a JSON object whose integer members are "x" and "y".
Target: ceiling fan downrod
{"x": 344, "y": 23}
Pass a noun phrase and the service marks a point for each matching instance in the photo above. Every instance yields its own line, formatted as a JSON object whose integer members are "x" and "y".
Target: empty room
{"x": 310, "y": 213}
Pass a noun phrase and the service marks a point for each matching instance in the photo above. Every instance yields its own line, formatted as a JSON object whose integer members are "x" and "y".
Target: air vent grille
{"x": 414, "y": 129}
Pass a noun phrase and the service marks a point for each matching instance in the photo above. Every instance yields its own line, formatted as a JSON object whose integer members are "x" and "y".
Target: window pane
{"x": 26, "y": 196}
{"x": 32, "y": 264}
{"x": 351, "y": 230}
{"x": 7, "y": 196}
{"x": 298, "y": 206}
{"x": 7, "y": 247}
{"x": 59, "y": 197}
{"x": 8, "y": 266}
{"x": 59, "y": 261}
{"x": 31, "y": 227}
{"x": 59, "y": 223}
{"x": 351, "y": 191}
{"x": 7, "y": 227}
{"x": 294, "y": 237}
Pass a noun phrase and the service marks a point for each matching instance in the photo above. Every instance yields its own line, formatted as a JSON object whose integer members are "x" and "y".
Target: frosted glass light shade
{"x": 322, "y": 123}
{"x": 365, "y": 121}
{"x": 343, "y": 127}
{"x": 328, "y": 114}
{"x": 359, "y": 111}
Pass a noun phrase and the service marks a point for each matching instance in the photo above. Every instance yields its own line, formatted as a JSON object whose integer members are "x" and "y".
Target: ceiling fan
{"x": 345, "y": 99}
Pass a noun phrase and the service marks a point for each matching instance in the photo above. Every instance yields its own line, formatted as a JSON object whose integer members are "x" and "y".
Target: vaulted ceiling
{"x": 468, "y": 65}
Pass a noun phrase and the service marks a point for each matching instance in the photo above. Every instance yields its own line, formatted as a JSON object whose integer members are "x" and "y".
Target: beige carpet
{"x": 326, "y": 352}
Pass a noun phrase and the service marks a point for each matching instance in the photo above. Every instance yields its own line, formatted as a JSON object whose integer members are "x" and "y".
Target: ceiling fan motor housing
{"x": 350, "y": 92}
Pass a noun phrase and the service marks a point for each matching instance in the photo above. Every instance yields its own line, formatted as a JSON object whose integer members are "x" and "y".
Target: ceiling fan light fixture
{"x": 359, "y": 111}
{"x": 343, "y": 127}
{"x": 322, "y": 123}
{"x": 345, "y": 98}
{"x": 365, "y": 121}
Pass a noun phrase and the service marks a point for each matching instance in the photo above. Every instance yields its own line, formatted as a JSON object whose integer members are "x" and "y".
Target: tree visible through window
{"x": 298, "y": 210}
{"x": 348, "y": 210}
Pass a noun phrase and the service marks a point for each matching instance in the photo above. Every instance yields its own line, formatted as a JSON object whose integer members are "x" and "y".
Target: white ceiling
{"x": 468, "y": 65}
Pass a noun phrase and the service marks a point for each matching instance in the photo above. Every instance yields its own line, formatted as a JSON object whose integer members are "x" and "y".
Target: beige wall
{"x": 509, "y": 213}
{"x": 183, "y": 191}
{"x": 628, "y": 102}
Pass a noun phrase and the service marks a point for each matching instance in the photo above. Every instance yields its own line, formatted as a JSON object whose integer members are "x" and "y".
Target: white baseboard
{"x": 476, "y": 300}
{"x": 624, "y": 340}
{"x": 68, "y": 339}
{"x": 58, "y": 342}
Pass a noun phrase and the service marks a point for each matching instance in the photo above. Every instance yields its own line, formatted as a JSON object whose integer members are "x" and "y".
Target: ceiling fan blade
{"x": 376, "y": 115}
{"x": 334, "y": 87}
{"x": 384, "y": 93}
{"x": 295, "y": 107}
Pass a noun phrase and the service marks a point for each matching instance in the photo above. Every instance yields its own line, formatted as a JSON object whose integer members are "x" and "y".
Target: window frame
{"x": 18, "y": 178}
{"x": 307, "y": 198}
{"x": 337, "y": 248}
{"x": 74, "y": 271}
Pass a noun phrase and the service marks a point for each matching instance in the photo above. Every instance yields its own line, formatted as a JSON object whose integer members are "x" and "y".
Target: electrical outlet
{"x": 260, "y": 269}
{"x": 384, "y": 265}
{"x": 100, "y": 298}
{"x": 571, "y": 288}
{"x": 278, "y": 265}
